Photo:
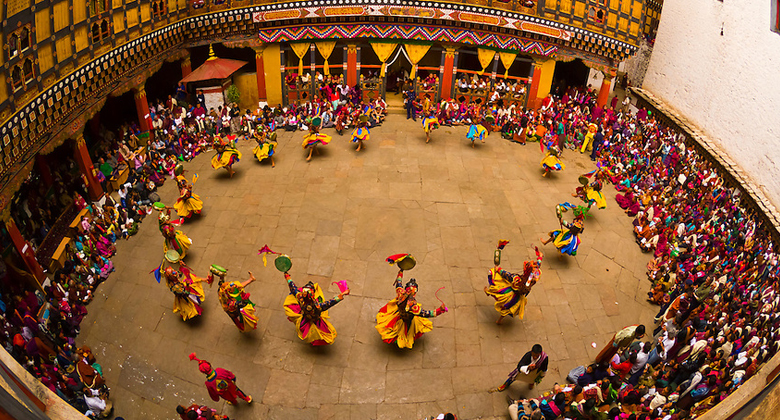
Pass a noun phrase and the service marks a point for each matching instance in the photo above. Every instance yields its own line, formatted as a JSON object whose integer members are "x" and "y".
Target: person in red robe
{"x": 221, "y": 383}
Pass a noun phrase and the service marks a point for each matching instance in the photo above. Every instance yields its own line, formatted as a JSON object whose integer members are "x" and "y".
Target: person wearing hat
{"x": 187, "y": 291}
{"x": 477, "y": 131}
{"x": 234, "y": 300}
{"x": 311, "y": 140}
{"x": 402, "y": 320}
{"x": 266, "y": 145}
{"x": 221, "y": 383}
{"x": 361, "y": 133}
{"x": 551, "y": 160}
{"x": 307, "y": 309}
{"x": 591, "y": 193}
{"x": 510, "y": 290}
{"x": 429, "y": 123}
{"x": 567, "y": 239}
{"x": 173, "y": 238}
{"x": 188, "y": 204}
{"x": 227, "y": 154}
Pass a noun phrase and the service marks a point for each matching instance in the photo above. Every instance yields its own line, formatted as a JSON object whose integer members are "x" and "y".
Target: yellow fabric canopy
{"x": 416, "y": 52}
{"x": 485, "y": 57}
{"x": 507, "y": 59}
{"x": 326, "y": 49}
{"x": 300, "y": 50}
{"x": 383, "y": 51}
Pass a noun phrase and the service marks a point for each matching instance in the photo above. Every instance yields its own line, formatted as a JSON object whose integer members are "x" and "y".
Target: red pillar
{"x": 351, "y": 65}
{"x": 186, "y": 66}
{"x": 448, "y": 72}
{"x": 43, "y": 168}
{"x": 604, "y": 91}
{"x": 261, "y": 95}
{"x": 85, "y": 165}
{"x": 533, "y": 101}
{"x": 142, "y": 108}
{"x": 25, "y": 250}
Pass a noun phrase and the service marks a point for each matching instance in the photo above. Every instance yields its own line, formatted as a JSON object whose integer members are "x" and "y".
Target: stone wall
{"x": 718, "y": 63}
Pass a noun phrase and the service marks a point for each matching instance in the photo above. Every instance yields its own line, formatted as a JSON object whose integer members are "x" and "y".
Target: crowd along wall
{"x": 717, "y": 62}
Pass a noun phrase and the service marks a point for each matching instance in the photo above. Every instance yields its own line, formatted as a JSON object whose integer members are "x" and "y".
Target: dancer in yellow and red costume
{"x": 510, "y": 290}
{"x": 187, "y": 291}
{"x": 314, "y": 138}
{"x": 402, "y": 320}
{"x": 234, "y": 300}
{"x": 227, "y": 154}
{"x": 188, "y": 203}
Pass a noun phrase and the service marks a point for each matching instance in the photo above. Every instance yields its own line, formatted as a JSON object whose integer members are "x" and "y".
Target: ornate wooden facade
{"x": 62, "y": 58}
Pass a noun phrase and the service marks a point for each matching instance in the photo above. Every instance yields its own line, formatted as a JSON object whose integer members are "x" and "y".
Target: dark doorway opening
{"x": 573, "y": 73}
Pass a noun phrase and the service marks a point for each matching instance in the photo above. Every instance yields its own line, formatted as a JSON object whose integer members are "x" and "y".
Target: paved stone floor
{"x": 338, "y": 217}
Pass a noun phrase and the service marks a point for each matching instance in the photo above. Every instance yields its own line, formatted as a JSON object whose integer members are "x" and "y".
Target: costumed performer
{"x": 227, "y": 154}
{"x": 402, "y": 320}
{"x": 221, "y": 383}
{"x": 477, "y": 131}
{"x": 188, "y": 203}
{"x": 234, "y": 300}
{"x": 311, "y": 140}
{"x": 307, "y": 309}
{"x": 567, "y": 238}
{"x": 551, "y": 160}
{"x": 266, "y": 146}
{"x": 187, "y": 291}
{"x": 361, "y": 133}
{"x": 510, "y": 290}
{"x": 591, "y": 193}
{"x": 174, "y": 239}
{"x": 429, "y": 123}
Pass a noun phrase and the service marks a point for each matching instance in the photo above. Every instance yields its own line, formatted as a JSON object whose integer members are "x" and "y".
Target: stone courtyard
{"x": 338, "y": 217}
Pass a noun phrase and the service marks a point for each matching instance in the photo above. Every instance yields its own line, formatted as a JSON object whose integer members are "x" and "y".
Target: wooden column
{"x": 25, "y": 250}
{"x": 352, "y": 65}
{"x": 261, "y": 95}
{"x": 606, "y": 85}
{"x": 186, "y": 66}
{"x": 536, "y": 75}
{"x": 142, "y": 108}
{"x": 447, "y": 72}
{"x": 43, "y": 168}
{"x": 85, "y": 166}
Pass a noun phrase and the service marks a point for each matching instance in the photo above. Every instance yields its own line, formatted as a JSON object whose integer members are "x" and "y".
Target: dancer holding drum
{"x": 234, "y": 300}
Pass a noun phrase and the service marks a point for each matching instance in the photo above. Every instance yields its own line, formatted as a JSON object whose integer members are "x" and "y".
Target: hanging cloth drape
{"x": 383, "y": 51}
{"x": 416, "y": 52}
{"x": 507, "y": 59}
{"x": 326, "y": 49}
{"x": 485, "y": 57}
{"x": 300, "y": 50}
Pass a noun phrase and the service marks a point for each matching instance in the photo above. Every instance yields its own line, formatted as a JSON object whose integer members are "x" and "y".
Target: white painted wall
{"x": 596, "y": 78}
{"x": 728, "y": 85}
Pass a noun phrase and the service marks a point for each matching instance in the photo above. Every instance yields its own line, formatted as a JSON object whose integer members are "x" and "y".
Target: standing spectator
{"x": 531, "y": 368}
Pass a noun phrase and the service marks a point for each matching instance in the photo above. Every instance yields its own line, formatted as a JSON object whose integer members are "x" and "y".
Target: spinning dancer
{"x": 174, "y": 239}
{"x": 187, "y": 291}
{"x": 221, "y": 383}
{"x": 477, "y": 131}
{"x": 591, "y": 193}
{"x": 314, "y": 138}
{"x": 402, "y": 320}
{"x": 188, "y": 203}
{"x": 234, "y": 300}
{"x": 510, "y": 290}
{"x": 266, "y": 146}
{"x": 429, "y": 123}
{"x": 551, "y": 161}
{"x": 361, "y": 132}
{"x": 567, "y": 239}
{"x": 227, "y": 154}
{"x": 307, "y": 309}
